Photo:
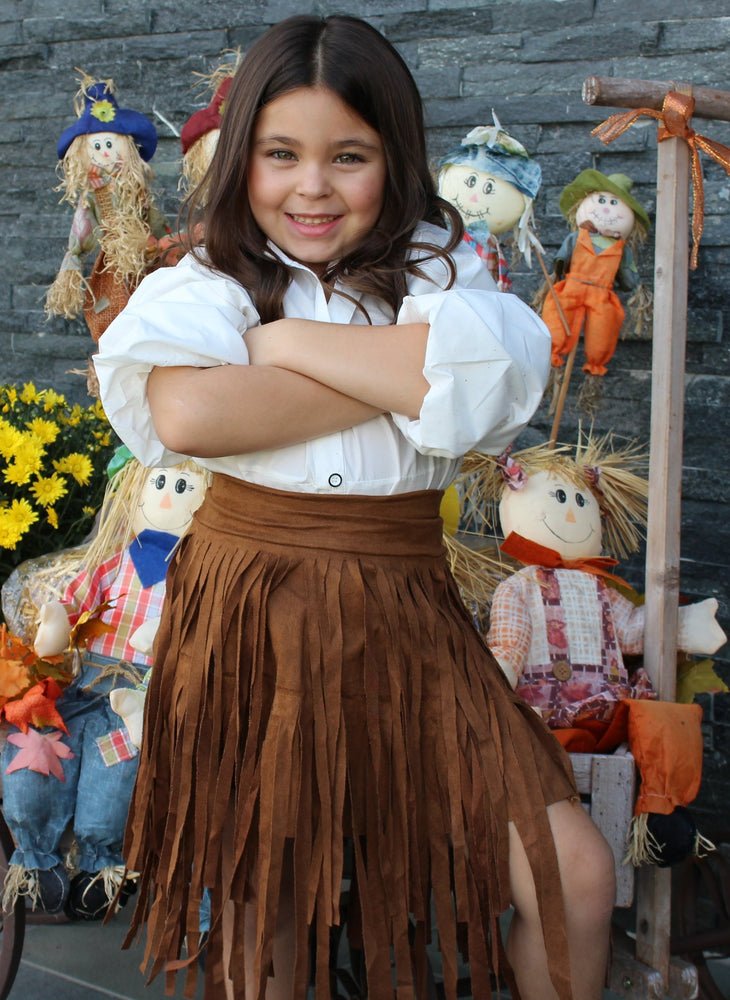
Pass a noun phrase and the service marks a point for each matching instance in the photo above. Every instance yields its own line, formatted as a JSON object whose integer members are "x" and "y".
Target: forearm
{"x": 236, "y": 409}
{"x": 379, "y": 365}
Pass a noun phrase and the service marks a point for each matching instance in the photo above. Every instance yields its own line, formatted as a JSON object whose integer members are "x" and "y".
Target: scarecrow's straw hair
{"x": 621, "y": 490}
{"x": 230, "y": 61}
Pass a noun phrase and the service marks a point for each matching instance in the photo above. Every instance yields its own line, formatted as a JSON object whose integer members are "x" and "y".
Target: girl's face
{"x": 316, "y": 176}
{"x": 610, "y": 215}
{"x": 105, "y": 149}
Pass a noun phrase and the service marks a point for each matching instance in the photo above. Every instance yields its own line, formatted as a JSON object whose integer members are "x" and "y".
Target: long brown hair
{"x": 353, "y": 60}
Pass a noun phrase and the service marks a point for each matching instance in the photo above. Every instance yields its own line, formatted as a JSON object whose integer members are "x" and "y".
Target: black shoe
{"x": 88, "y": 899}
{"x": 53, "y": 888}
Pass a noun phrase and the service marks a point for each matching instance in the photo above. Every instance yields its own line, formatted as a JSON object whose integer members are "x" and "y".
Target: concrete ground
{"x": 84, "y": 961}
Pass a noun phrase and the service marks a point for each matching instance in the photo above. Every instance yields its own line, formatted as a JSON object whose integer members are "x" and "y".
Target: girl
{"x": 330, "y": 354}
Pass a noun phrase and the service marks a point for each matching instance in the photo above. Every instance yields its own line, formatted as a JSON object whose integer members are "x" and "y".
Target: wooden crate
{"x": 607, "y": 786}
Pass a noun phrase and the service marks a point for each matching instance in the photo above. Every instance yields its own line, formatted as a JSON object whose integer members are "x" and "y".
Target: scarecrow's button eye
{"x": 160, "y": 482}
{"x": 181, "y": 485}
{"x": 580, "y": 499}
{"x": 561, "y": 496}
{"x": 471, "y": 180}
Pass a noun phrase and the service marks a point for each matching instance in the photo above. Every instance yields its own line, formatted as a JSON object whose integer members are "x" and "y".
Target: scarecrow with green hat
{"x": 595, "y": 259}
{"x": 104, "y": 164}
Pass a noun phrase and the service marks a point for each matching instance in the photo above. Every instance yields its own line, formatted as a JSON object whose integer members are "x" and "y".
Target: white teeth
{"x": 309, "y": 220}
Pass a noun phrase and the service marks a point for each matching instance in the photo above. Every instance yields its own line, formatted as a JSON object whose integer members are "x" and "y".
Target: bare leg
{"x": 279, "y": 985}
{"x": 587, "y": 874}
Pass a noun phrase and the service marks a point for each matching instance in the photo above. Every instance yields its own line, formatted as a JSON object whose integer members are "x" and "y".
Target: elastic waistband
{"x": 404, "y": 524}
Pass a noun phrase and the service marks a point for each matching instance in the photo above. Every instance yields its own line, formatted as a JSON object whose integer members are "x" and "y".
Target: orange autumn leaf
{"x": 13, "y": 649}
{"x": 37, "y": 707}
{"x": 90, "y": 626}
{"x": 14, "y": 679}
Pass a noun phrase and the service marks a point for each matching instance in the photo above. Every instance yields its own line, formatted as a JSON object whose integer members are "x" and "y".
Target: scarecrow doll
{"x": 595, "y": 258}
{"x": 108, "y": 616}
{"x": 492, "y": 182}
{"x": 104, "y": 164}
{"x": 199, "y": 135}
{"x": 562, "y": 624}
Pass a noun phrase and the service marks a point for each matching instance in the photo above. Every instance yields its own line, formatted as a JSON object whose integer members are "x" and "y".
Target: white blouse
{"x": 487, "y": 362}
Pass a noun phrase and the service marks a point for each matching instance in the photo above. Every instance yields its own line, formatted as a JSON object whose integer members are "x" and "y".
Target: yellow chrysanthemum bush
{"x": 53, "y": 458}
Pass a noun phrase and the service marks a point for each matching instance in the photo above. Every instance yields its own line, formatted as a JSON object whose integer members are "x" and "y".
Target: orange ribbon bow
{"x": 674, "y": 121}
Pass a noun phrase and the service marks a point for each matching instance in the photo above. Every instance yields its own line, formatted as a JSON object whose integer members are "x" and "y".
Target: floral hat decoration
{"x": 100, "y": 112}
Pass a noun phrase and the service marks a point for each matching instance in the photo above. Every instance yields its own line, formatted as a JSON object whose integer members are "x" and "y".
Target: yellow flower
{"x": 104, "y": 438}
{"x": 77, "y": 465}
{"x": 14, "y": 522}
{"x": 29, "y": 394}
{"x": 104, "y": 111}
{"x": 11, "y": 394}
{"x": 29, "y": 452}
{"x": 89, "y": 511}
{"x": 45, "y": 430}
{"x": 52, "y": 517}
{"x": 18, "y": 474}
{"x": 97, "y": 410}
{"x": 52, "y": 399}
{"x": 48, "y": 489}
{"x": 10, "y": 439}
{"x": 75, "y": 416}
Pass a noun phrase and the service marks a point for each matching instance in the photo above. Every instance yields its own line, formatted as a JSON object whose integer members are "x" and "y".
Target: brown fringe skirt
{"x": 317, "y": 677}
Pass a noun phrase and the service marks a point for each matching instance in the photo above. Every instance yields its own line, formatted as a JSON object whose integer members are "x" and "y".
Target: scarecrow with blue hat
{"x": 596, "y": 258}
{"x": 104, "y": 165}
{"x": 492, "y": 182}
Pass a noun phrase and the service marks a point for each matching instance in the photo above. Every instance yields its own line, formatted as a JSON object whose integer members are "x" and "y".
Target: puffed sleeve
{"x": 487, "y": 364}
{"x": 184, "y": 315}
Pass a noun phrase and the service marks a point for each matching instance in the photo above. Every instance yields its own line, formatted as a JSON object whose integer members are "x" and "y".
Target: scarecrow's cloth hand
{"x": 54, "y": 630}
{"x": 699, "y": 631}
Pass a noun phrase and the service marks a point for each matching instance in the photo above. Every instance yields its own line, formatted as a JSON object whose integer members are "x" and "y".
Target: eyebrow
{"x": 285, "y": 140}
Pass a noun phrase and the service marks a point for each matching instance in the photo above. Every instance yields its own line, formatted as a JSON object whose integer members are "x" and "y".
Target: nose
{"x": 166, "y": 502}
{"x": 570, "y": 516}
{"x": 313, "y": 182}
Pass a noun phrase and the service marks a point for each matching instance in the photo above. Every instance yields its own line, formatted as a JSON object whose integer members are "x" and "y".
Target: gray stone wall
{"x": 526, "y": 59}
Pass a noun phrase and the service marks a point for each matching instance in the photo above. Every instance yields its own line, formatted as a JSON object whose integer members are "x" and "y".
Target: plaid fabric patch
{"x": 116, "y": 747}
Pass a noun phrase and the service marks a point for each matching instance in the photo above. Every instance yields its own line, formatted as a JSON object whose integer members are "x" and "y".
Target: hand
{"x": 54, "y": 630}
{"x": 698, "y": 630}
{"x": 143, "y": 637}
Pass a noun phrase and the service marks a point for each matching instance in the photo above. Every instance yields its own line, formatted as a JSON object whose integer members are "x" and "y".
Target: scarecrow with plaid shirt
{"x": 109, "y": 615}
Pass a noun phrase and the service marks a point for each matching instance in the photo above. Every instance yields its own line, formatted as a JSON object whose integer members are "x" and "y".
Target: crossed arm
{"x": 305, "y": 379}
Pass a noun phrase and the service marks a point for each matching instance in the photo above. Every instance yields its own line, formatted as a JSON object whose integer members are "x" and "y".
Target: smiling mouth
{"x": 465, "y": 211}
{"x": 313, "y": 220}
{"x": 568, "y": 541}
